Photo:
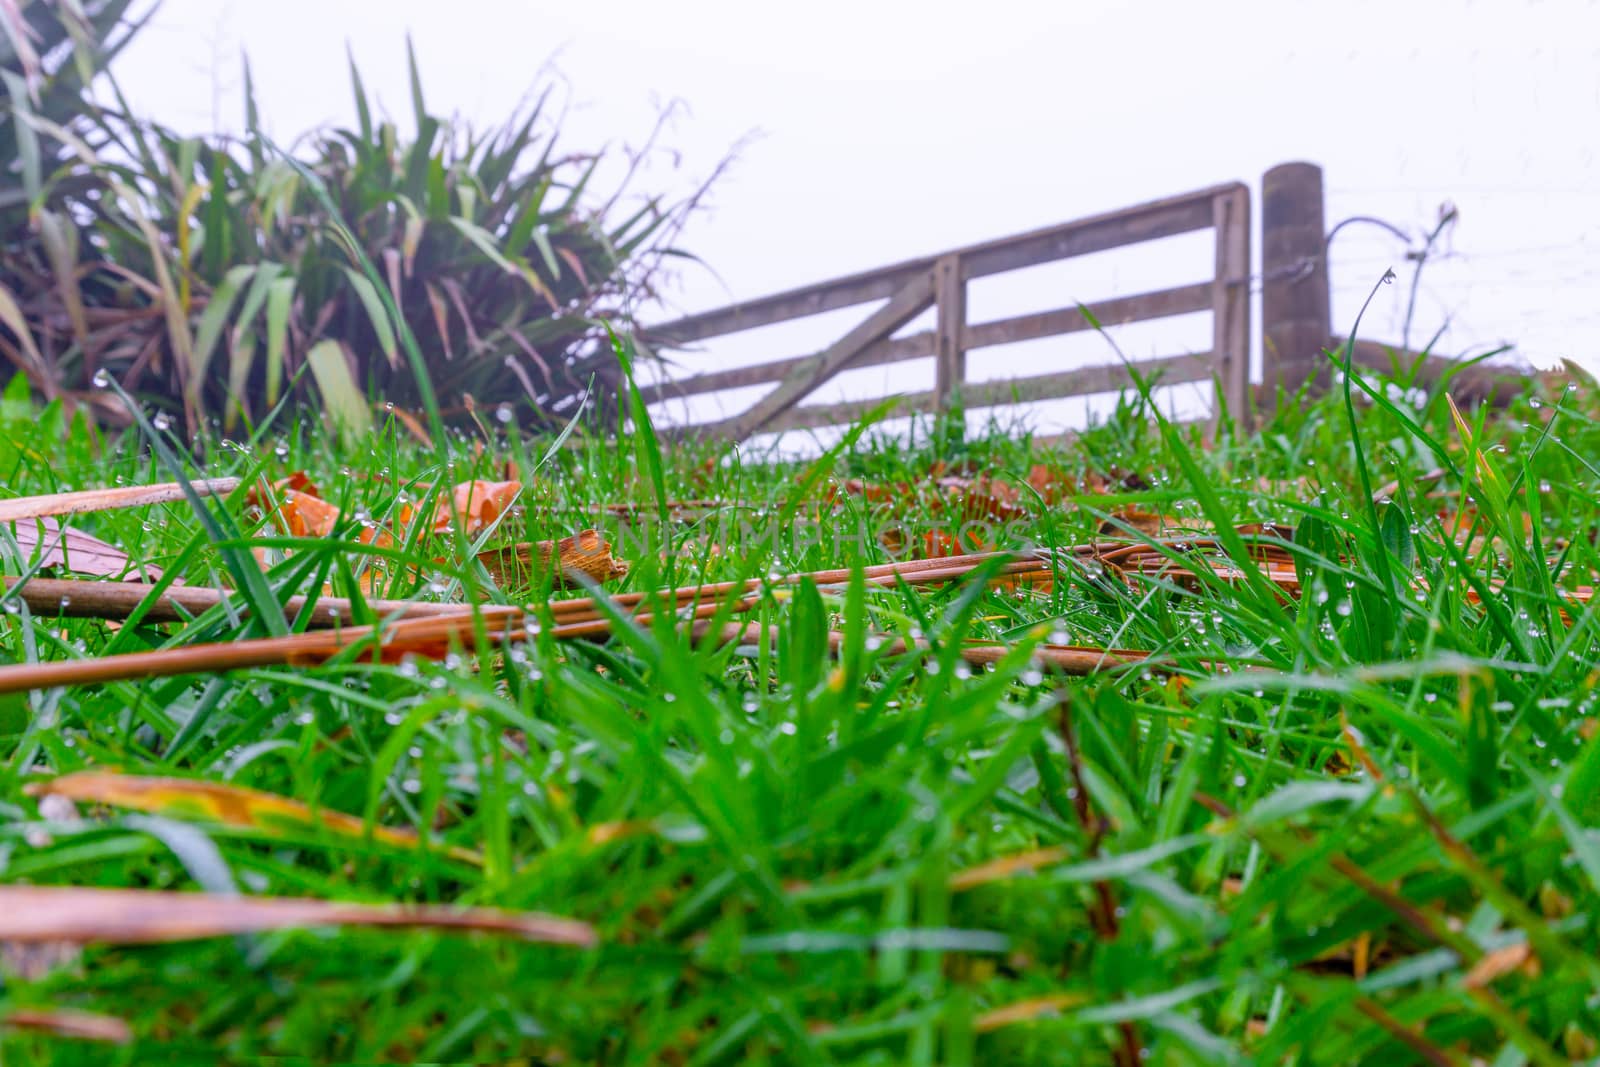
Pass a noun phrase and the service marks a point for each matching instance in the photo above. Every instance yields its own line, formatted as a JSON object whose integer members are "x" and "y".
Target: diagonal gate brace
{"x": 911, "y": 300}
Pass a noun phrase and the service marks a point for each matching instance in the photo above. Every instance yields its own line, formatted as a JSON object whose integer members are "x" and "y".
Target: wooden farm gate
{"x": 905, "y": 290}
{"x": 1296, "y": 331}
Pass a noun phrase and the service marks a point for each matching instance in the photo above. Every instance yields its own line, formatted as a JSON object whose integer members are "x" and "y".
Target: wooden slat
{"x": 889, "y": 350}
{"x": 1143, "y": 222}
{"x": 914, "y": 298}
{"x": 1148, "y": 223}
{"x": 1083, "y": 381}
{"x": 1230, "y": 317}
{"x": 949, "y": 334}
{"x": 1183, "y": 300}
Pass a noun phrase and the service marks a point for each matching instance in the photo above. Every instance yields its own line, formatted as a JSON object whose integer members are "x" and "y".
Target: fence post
{"x": 1230, "y": 302}
{"x": 949, "y": 351}
{"x": 1295, "y": 320}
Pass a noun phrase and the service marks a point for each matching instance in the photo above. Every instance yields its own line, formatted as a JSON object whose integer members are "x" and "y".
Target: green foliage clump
{"x": 206, "y": 274}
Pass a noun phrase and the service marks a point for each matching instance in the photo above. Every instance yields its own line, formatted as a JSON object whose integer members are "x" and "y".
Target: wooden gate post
{"x": 1230, "y": 303}
{"x": 949, "y": 349}
{"x": 1295, "y": 320}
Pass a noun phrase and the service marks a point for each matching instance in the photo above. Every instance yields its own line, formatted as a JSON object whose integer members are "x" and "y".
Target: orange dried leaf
{"x": 304, "y": 515}
{"x": 477, "y": 503}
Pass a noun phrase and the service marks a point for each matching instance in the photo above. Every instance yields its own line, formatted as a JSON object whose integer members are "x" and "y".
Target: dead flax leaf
{"x": 233, "y": 805}
{"x": 75, "y": 551}
{"x": 526, "y": 564}
{"x": 64, "y": 1022}
{"x": 32, "y": 914}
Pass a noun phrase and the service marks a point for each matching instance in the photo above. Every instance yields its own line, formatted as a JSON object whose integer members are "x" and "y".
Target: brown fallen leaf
{"x": 230, "y": 804}
{"x": 525, "y": 564}
{"x": 153, "y": 916}
{"x": 64, "y": 1022}
{"x": 73, "y": 550}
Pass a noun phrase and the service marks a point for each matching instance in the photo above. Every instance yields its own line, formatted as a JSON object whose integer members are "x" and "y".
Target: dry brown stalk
{"x": 1103, "y": 915}
{"x": 1069, "y": 659}
{"x": 61, "y": 597}
{"x": 131, "y": 496}
{"x": 435, "y": 636}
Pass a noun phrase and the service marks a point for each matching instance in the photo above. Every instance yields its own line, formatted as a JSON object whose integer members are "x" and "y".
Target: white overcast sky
{"x": 890, "y": 130}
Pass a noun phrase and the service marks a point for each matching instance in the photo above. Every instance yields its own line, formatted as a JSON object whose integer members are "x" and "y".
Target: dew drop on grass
{"x": 102, "y": 379}
{"x": 162, "y": 421}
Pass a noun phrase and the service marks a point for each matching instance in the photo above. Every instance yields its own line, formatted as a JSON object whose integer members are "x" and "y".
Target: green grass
{"x": 1386, "y": 766}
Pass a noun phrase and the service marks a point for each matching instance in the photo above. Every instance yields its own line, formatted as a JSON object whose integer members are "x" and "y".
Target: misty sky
{"x": 890, "y": 130}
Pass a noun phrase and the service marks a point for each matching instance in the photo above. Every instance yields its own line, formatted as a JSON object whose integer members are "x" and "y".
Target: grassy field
{"x": 1351, "y": 823}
